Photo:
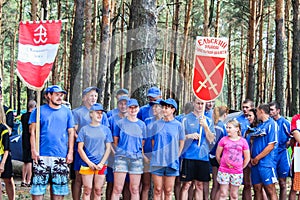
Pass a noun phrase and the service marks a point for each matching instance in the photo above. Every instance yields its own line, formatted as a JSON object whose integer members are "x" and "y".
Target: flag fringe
{"x": 44, "y": 21}
{"x": 30, "y": 86}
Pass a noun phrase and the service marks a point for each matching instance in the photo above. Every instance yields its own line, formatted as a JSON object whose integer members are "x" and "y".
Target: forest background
{"x": 136, "y": 44}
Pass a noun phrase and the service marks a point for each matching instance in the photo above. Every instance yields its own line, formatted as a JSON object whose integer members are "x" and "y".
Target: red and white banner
{"x": 209, "y": 67}
{"x": 38, "y": 45}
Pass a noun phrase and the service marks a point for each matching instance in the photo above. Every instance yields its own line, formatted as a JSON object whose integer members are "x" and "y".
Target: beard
{"x": 56, "y": 104}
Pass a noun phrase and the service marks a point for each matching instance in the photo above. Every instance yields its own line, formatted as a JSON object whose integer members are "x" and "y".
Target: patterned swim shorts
{"x": 227, "y": 178}
{"x": 50, "y": 169}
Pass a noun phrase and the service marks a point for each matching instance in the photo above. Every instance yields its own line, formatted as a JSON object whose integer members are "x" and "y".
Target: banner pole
{"x": 38, "y": 114}
{"x": 201, "y": 128}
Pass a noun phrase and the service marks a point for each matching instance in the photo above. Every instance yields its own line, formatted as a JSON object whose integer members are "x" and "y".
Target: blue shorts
{"x": 132, "y": 166}
{"x": 50, "y": 169}
{"x": 265, "y": 175}
{"x": 164, "y": 171}
{"x": 283, "y": 164}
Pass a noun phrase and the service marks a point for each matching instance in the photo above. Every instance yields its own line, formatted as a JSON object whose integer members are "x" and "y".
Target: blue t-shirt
{"x": 243, "y": 120}
{"x": 131, "y": 135}
{"x": 94, "y": 139}
{"x": 54, "y": 125}
{"x": 166, "y": 136}
{"x": 191, "y": 149}
{"x": 112, "y": 112}
{"x": 148, "y": 139}
{"x": 220, "y": 132}
{"x": 82, "y": 117}
{"x": 284, "y": 127}
{"x": 145, "y": 112}
{"x": 260, "y": 143}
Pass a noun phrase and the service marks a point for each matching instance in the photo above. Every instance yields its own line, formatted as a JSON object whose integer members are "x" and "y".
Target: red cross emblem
{"x": 208, "y": 77}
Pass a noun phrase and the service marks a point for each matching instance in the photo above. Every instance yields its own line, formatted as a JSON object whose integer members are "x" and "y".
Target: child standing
{"x": 6, "y": 170}
{"x": 233, "y": 155}
{"x": 94, "y": 145}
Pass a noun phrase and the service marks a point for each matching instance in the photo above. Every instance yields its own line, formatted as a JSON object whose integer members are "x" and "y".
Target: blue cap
{"x": 132, "y": 102}
{"x": 88, "y": 89}
{"x": 122, "y": 91}
{"x": 55, "y": 88}
{"x": 97, "y": 106}
{"x": 126, "y": 98}
{"x": 169, "y": 102}
{"x": 154, "y": 92}
{"x": 155, "y": 102}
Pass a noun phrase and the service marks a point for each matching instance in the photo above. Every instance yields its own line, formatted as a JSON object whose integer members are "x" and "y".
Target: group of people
{"x": 132, "y": 146}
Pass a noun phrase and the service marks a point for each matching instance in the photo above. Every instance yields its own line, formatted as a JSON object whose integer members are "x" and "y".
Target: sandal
{"x": 23, "y": 184}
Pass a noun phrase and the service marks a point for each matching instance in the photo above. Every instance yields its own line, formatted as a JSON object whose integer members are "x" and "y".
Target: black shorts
{"x": 195, "y": 170}
{"x": 27, "y": 155}
{"x": 8, "y": 169}
{"x": 214, "y": 162}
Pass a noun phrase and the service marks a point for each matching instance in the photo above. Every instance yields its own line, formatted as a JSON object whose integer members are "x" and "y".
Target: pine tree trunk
{"x": 206, "y": 18}
{"x": 251, "y": 47}
{"x": 182, "y": 62}
{"x": 289, "y": 58}
{"x": 260, "y": 74}
{"x": 86, "y": 71}
{"x": 296, "y": 58}
{"x": 143, "y": 57}
{"x": 218, "y": 10}
{"x": 94, "y": 51}
{"x": 229, "y": 84}
{"x": 279, "y": 54}
{"x": 76, "y": 54}
{"x": 104, "y": 47}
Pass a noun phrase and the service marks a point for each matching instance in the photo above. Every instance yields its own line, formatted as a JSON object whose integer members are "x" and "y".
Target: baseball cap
{"x": 122, "y": 91}
{"x": 55, "y": 88}
{"x": 169, "y": 102}
{"x": 153, "y": 92}
{"x": 155, "y": 102}
{"x": 97, "y": 106}
{"x": 47, "y": 90}
{"x": 88, "y": 89}
{"x": 126, "y": 98}
{"x": 132, "y": 102}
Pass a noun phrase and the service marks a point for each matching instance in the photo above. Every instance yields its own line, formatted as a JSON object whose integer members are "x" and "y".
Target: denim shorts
{"x": 53, "y": 170}
{"x": 164, "y": 171}
{"x": 132, "y": 166}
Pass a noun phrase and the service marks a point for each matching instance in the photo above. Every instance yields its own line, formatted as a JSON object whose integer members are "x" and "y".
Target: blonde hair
{"x": 236, "y": 124}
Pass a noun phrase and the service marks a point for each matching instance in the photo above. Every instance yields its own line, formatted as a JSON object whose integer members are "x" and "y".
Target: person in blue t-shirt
{"x": 283, "y": 157}
{"x": 263, "y": 155}
{"x": 219, "y": 115}
{"x": 82, "y": 118}
{"x": 56, "y": 145}
{"x": 129, "y": 137}
{"x": 243, "y": 119}
{"x": 121, "y": 92}
{"x": 199, "y": 134}
{"x": 153, "y": 94}
{"x": 167, "y": 143}
{"x": 150, "y": 122}
{"x": 113, "y": 123}
{"x": 94, "y": 145}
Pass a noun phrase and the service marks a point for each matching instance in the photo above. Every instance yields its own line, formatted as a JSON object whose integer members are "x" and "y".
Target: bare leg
{"x": 224, "y": 191}
{"x": 168, "y": 182}
{"x": 177, "y": 188}
{"x": 271, "y": 191}
{"x": 184, "y": 193}
{"x": 216, "y": 185}
{"x": 10, "y": 188}
{"x": 76, "y": 186}
{"x": 134, "y": 186}
{"x": 205, "y": 190}
{"x": 146, "y": 184}
{"x": 158, "y": 184}
{"x": 247, "y": 184}
{"x": 282, "y": 185}
{"x": 119, "y": 179}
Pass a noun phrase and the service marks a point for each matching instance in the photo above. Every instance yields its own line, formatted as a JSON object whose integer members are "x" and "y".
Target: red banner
{"x": 209, "y": 67}
{"x": 38, "y": 45}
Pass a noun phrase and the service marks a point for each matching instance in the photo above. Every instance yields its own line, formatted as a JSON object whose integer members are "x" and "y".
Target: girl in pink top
{"x": 233, "y": 155}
